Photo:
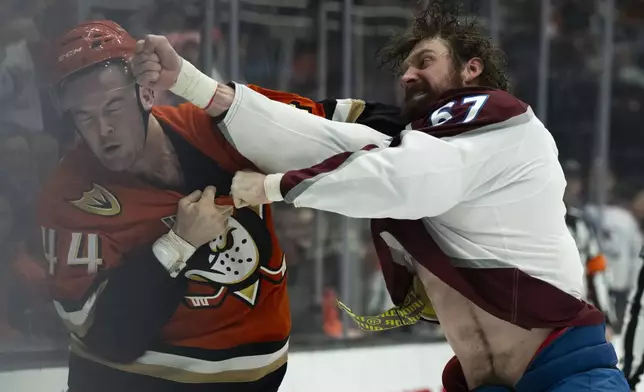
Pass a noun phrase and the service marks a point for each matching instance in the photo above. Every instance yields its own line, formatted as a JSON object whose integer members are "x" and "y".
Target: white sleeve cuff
{"x": 232, "y": 111}
{"x": 173, "y": 252}
{"x": 272, "y": 187}
{"x": 194, "y": 85}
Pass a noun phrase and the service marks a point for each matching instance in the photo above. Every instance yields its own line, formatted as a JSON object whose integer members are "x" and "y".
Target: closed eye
{"x": 426, "y": 61}
{"x": 114, "y": 105}
{"x": 82, "y": 118}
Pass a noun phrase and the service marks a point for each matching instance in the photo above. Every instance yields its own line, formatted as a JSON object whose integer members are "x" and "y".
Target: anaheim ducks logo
{"x": 235, "y": 263}
{"x": 98, "y": 201}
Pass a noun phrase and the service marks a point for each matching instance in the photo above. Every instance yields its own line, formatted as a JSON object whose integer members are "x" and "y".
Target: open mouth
{"x": 111, "y": 149}
{"x": 417, "y": 96}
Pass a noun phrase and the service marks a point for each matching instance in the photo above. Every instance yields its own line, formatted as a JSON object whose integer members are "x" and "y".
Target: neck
{"x": 158, "y": 161}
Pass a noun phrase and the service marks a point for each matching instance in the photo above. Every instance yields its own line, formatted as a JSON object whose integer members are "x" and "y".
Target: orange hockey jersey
{"x": 225, "y": 320}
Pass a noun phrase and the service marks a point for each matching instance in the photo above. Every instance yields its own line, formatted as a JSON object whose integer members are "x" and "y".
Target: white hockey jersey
{"x": 474, "y": 194}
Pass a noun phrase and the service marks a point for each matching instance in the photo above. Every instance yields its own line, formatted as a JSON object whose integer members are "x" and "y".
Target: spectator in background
{"x": 573, "y": 195}
{"x": 45, "y": 152}
{"x": 29, "y": 312}
{"x": 188, "y": 45}
{"x": 294, "y": 228}
{"x": 19, "y": 170}
{"x": 584, "y": 232}
{"x": 637, "y": 208}
{"x": 19, "y": 95}
{"x": 296, "y": 231}
{"x": 26, "y": 310}
{"x": 628, "y": 71}
{"x": 621, "y": 242}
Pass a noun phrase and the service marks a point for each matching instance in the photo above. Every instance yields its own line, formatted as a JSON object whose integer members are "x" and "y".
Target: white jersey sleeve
{"x": 278, "y": 137}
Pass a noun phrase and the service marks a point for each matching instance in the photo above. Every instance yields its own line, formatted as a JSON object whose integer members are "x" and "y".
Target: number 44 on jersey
{"x": 84, "y": 250}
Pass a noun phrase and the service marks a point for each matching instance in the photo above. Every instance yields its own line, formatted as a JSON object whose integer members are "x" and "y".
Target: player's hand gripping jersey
{"x": 224, "y": 319}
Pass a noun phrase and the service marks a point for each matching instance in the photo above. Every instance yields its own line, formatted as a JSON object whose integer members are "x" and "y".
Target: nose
{"x": 409, "y": 77}
{"x": 105, "y": 128}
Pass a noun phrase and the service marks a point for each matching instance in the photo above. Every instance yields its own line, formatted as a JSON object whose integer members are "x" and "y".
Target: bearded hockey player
{"x": 467, "y": 207}
{"x": 161, "y": 288}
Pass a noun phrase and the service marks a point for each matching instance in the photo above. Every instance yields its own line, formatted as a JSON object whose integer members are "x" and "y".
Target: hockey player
{"x": 621, "y": 241}
{"x": 158, "y": 288}
{"x": 161, "y": 289}
{"x": 585, "y": 234}
{"x": 467, "y": 207}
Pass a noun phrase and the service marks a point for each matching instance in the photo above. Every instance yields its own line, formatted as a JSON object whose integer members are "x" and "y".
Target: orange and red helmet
{"x": 88, "y": 44}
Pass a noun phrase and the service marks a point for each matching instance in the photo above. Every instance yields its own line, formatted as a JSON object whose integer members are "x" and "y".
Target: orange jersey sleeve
{"x": 317, "y": 108}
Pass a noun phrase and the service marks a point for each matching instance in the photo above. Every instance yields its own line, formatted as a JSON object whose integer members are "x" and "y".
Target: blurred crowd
{"x": 279, "y": 48}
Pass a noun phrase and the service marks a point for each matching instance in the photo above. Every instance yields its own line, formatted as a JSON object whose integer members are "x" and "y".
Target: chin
{"x": 415, "y": 112}
{"x": 417, "y": 109}
{"x": 115, "y": 167}
{"x": 120, "y": 164}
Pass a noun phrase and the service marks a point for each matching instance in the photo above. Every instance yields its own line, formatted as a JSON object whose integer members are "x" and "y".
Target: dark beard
{"x": 417, "y": 103}
{"x": 420, "y": 97}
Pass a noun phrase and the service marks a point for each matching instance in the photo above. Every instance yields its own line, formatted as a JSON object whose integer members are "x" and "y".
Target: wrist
{"x": 194, "y": 86}
{"x": 173, "y": 252}
{"x": 272, "y": 183}
{"x": 222, "y": 100}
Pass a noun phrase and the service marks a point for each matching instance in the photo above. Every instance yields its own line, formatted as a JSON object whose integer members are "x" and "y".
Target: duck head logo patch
{"x": 98, "y": 201}
{"x": 235, "y": 263}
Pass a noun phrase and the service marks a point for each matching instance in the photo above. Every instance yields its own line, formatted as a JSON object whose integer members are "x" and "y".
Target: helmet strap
{"x": 145, "y": 113}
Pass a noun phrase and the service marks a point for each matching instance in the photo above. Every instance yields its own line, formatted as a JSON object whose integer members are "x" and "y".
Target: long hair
{"x": 464, "y": 37}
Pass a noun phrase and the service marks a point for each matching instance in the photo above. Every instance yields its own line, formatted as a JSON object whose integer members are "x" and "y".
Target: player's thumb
{"x": 209, "y": 194}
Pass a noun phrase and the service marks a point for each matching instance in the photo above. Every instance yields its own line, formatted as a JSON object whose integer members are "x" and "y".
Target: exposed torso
{"x": 490, "y": 350}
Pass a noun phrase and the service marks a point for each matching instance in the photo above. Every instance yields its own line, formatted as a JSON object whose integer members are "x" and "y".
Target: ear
{"x": 472, "y": 70}
{"x": 147, "y": 97}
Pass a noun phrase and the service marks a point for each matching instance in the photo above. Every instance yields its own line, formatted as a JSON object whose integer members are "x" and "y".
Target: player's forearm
{"x": 139, "y": 298}
{"x": 273, "y": 135}
{"x": 407, "y": 182}
{"x": 202, "y": 91}
{"x": 278, "y": 137}
{"x": 221, "y": 101}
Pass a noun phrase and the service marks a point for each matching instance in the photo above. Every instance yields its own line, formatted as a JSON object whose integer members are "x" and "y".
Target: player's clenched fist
{"x": 248, "y": 189}
{"x": 199, "y": 219}
{"x": 155, "y": 63}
